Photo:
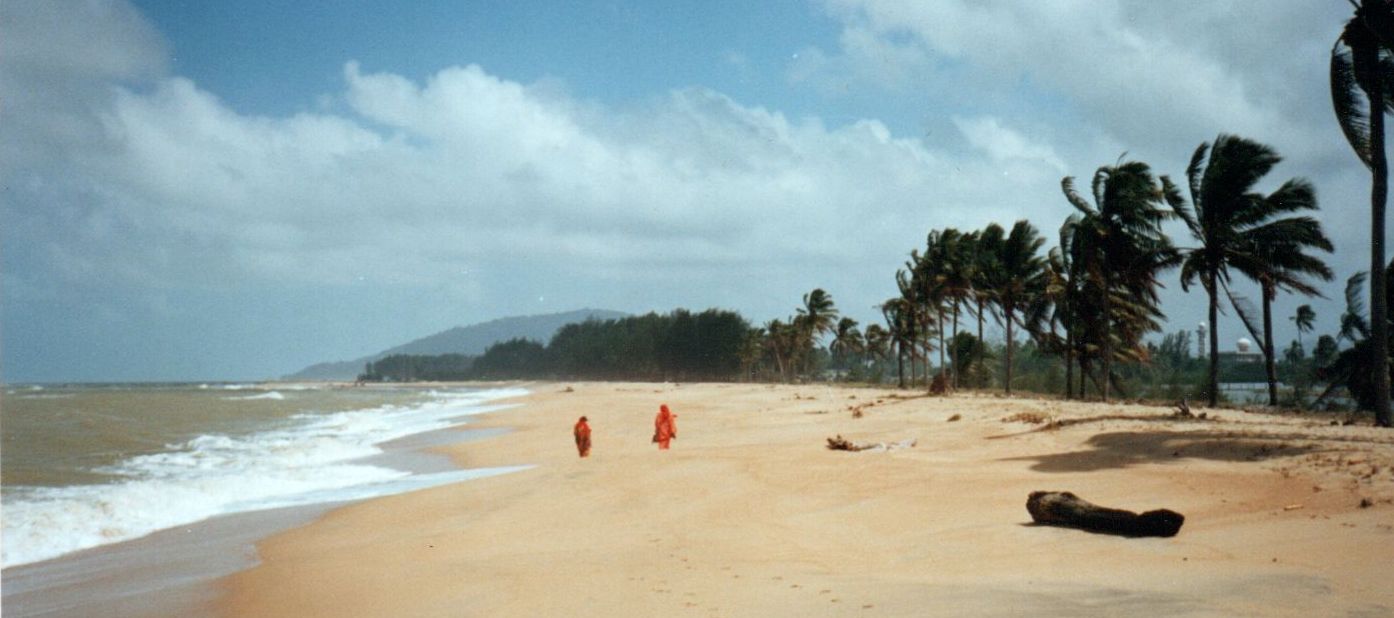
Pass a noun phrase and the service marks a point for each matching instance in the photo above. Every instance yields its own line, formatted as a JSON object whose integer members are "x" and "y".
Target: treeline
{"x": 1078, "y": 318}
{"x": 679, "y": 346}
{"x": 413, "y": 367}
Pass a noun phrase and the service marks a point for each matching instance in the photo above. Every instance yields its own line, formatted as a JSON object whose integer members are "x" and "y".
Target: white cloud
{"x": 468, "y": 170}
{"x": 1076, "y": 83}
{"x": 486, "y": 192}
{"x": 1145, "y": 73}
{"x": 1004, "y": 145}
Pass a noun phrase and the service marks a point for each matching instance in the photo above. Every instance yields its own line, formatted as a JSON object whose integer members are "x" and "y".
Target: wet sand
{"x": 174, "y": 572}
{"x": 750, "y": 514}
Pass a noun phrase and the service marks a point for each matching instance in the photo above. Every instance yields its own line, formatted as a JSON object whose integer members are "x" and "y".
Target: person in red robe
{"x": 582, "y": 431}
{"x": 664, "y": 427}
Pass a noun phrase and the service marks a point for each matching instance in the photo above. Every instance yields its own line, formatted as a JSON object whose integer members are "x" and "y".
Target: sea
{"x": 88, "y": 469}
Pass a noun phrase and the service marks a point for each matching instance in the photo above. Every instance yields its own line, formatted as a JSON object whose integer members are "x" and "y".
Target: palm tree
{"x": 1017, "y": 278}
{"x": 1362, "y": 63}
{"x": 958, "y": 281}
{"x": 847, "y": 339}
{"x": 900, "y": 327}
{"x": 1350, "y": 367}
{"x": 911, "y": 313}
{"x": 815, "y": 318}
{"x": 1304, "y": 319}
{"x": 1063, "y": 291}
{"x": 1283, "y": 263}
{"x": 875, "y": 338}
{"x": 986, "y": 245}
{"x": 777, "y": 336}
{"x": 1122, "y": 249}
{"x": 1240, "y": 228}
{"x": 820, "y": 312}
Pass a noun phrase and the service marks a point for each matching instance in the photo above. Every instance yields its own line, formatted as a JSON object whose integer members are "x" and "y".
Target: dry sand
{"x": 750, "y": 514}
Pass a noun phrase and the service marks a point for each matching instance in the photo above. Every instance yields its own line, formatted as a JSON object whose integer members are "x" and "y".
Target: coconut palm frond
{"x": 1349, "y": 102}
{"x": 1247, "y": 314}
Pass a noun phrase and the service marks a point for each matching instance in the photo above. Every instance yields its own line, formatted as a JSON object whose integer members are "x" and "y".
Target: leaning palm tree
{"x": 816, "y": 317}
{"x": 1018, "y": 277}
{"x": 944, "y": 285}
{"x": 776, "y": 344}
{"x": 1122, "y": 250}
{"x": 911, "y": 312}
{"x": 1240, "y": 228}
{"x": 1304, "y": 320}
{"x": 847, "y": 340}
{"x": 1063, "y": 292}
{"x": 927, "y": 289}
{"x": 986, "y": 246}
{"x": 958, "y": 281}
{"x": 900, "y": 329}
{"x": 1362, "y": 67}
{"x": 875, "y": 339}
{"x": 1283, "y": 261}
{"x": 1350, "y": 367}
{"x": 819, "y": 312}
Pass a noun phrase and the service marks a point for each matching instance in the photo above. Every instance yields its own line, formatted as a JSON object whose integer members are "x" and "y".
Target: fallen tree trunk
{"x": 840, "y": 443}
{"x": 1062, "y": 508}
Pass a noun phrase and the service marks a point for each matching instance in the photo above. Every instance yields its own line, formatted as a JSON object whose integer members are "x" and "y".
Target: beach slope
{"x": 750, "y": 514}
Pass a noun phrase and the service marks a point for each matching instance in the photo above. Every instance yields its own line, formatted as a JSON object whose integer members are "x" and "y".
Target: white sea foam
{"x": 314, "y": 459}
{"x": 272, "y": 395}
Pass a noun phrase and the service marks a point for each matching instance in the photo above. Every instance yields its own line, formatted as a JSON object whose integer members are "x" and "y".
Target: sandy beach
{"x": 751, "y": 515}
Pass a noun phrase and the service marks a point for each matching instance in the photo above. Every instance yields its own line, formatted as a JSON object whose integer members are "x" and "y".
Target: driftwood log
{"x": 840, "y": 443}
{"x": 1062, "y": 508}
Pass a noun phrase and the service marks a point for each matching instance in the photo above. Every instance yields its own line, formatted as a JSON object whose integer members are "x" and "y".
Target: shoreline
{"x": 750, "y": 514}
{"x": 175, "y": 571}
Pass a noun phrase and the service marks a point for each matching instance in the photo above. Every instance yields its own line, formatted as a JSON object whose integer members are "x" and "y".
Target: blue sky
{"x": 234, "y": 190}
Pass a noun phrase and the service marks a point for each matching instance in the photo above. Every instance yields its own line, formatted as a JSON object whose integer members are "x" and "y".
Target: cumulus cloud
{"x": 1142, "y": 75}
{"x": 490, "y": 192}
{"x": 1005, "y": 145}
{"x": 1071, "y": 85}
{"x": 470, "y": 172}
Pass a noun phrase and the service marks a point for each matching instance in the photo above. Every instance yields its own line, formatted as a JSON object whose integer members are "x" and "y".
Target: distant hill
{"x": 468, "y": 340}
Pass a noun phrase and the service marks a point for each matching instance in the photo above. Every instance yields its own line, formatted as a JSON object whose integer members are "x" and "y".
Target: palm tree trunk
{"x": 1268, "y": 294}
{"x": 1379, "y": 193}
{"x": 954, "y": 350}
{"x": 1107, "y": 346}
{"x": 1214, "y": 382}
{"x": 942, "y": 368}
{"x": 981, "y": 348}
{"x": 1083, "y": 377}
{"x": 1069, "y": 362}
{"x": 1007, "y": 310}
{"x": 900, "y": 363}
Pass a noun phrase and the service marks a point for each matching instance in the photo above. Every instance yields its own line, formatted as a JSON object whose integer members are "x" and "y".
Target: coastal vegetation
{"x": 1080, "y": 319}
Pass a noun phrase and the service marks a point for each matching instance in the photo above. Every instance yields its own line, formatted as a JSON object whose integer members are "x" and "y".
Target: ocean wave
{"x": 317, "y": 458}
{"x": 271, "y": 395}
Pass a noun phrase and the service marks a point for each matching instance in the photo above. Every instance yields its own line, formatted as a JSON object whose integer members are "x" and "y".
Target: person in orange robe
{"x": 664, "y": 427}
{"x": 582, "y": 431}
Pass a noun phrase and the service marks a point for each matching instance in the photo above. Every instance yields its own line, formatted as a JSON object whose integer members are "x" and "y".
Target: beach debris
{"x": 1183, "y": 410}
{"x": 857, "y": 412}
{"x": 568, "y": 390}
{"x": 1034, "y": 418}
{"x": 955, "y": 417}
{"x": 1292, "y": 507}
{"x": 840, "y": 443}
{"x": 1062, "y": 508}
{"x": 1366, "y": 503}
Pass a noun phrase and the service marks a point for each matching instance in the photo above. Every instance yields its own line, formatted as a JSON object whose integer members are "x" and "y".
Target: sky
{"x": 234, "y": 190}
